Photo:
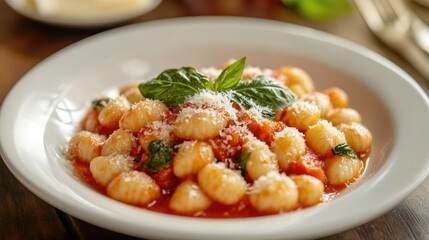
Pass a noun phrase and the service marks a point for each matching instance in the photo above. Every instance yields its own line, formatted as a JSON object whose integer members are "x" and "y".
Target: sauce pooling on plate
{"x": 225, "y": 142}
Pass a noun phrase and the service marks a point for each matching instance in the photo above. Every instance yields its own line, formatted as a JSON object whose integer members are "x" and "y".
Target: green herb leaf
{"x": 242, "y": 161}
{"x": 248, "y": 103}
{"x": 100, "y": 103}
{"x": 174, "y": 86}
{"x": 230, "y": 76}
{"x": 319, "y": 9}
{"x": 344, "y": 149}
{"x": 263, "y": 92}
{"x": 268, "y": 114}
{"x": 160, "y": 154}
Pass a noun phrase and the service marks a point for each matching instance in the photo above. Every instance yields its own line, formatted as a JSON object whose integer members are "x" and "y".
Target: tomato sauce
{"x": 83, "y": 172}
{"x": 243, "y": 209}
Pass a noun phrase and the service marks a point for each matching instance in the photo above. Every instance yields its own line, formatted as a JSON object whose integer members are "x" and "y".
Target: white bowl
{"x": 42, "y": 111}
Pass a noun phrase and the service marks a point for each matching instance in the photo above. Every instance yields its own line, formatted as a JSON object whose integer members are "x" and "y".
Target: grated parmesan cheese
{"x": 265, "y": 182}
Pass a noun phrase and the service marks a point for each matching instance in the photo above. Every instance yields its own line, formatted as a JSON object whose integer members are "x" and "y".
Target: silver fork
{"x": 398, "y": 28}
{"x": 418, "y": 29}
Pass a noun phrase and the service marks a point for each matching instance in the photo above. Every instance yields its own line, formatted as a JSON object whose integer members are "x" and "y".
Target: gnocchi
{"x": 338, "y": 97}
{"x": 132, "y": 93}
{"x": 342, "y": 169}
{"x": 111, "y": 114}
{"x": 217, "y": 143}
{"x": 343, "y": 115}
{"x": 119, "y": 142}
{"x": 301, "y": 115}
{"x": 86, "y": 146}
{"x": 142, "y": 113}
{"x": 133, "y": 187}
{"x": 321, "y": 100}
{"x": 104, "y": 169}
{"x": 322, "y": 137}
{"x": 202, "y": 124}
{"x": 310, "y": 189}
{"x": 288, "y": 145}
{"x": 298, "y": 76}
{"x": 156, "y": 130}
{"x": 189, "y": 198}
{"x": 191, "y": 157}
{"x": 274, "y": 192}
{"x": 358, "y": 136}
{"x": 222, "y": 184}
{"x": 261, "y": 160}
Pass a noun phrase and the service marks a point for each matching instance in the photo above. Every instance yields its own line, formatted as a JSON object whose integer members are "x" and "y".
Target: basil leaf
{"x": 318, "y": 9}
{"x": 248, "y": 103}
{"x": 268, "y": 114}
{"x": 263, "y": 92}
{"x": 160, "y": 154}
{"x": 174, "y": 86}
{"x": 242, "y": 161}
{"x": 230, "y": 76}
{"x": 100, "y": 103}
{"x": 344, "y": 149}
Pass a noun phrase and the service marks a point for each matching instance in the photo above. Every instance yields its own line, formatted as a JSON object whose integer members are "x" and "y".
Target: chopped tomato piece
{"x": 228, "y": 143}
{"x": 306, "y": 166}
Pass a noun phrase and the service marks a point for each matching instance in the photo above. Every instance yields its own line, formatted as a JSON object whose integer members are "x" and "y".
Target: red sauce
{"x": 228, "y": 144}
{"x": 262, "y": 128}
{"x": 83, "y": 172}
{"x": 167, "y": 181}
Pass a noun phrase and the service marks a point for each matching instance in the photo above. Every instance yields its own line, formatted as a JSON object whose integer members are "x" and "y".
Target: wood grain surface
{"x": 25, "y": 43}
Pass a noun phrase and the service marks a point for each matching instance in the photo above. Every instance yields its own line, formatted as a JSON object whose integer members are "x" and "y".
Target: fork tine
{"x": 370, "y": 13}
{"x": 380, "y": 13}
{"x": 386, "y": 10}
{"x": 417, "y": 28}
{"x": 400, "y": 7}
{"x": 380, "y": 8}
{"x": 401, "y": 11}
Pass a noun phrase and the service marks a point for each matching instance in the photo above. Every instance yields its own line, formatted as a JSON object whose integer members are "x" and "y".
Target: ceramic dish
{"x": 87, "y": 15}
{"x": 42, "y": 112}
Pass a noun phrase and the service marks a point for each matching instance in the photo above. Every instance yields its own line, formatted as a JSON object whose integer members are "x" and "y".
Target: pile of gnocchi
{"x": 211, "y": 157}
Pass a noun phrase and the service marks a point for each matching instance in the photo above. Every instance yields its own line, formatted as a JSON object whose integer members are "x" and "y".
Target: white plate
{"x": 82, "y": 17}
{"x": 42, "y": 111}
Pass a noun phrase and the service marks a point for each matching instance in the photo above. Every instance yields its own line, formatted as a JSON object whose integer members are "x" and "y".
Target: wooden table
{"x": 24, "y": 43}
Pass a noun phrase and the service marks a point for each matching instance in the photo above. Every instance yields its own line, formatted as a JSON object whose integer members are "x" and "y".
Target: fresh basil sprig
{"x": 344, "y": 149}
{"x": 160, "y": 154}
{"x": 174, "y": 86}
